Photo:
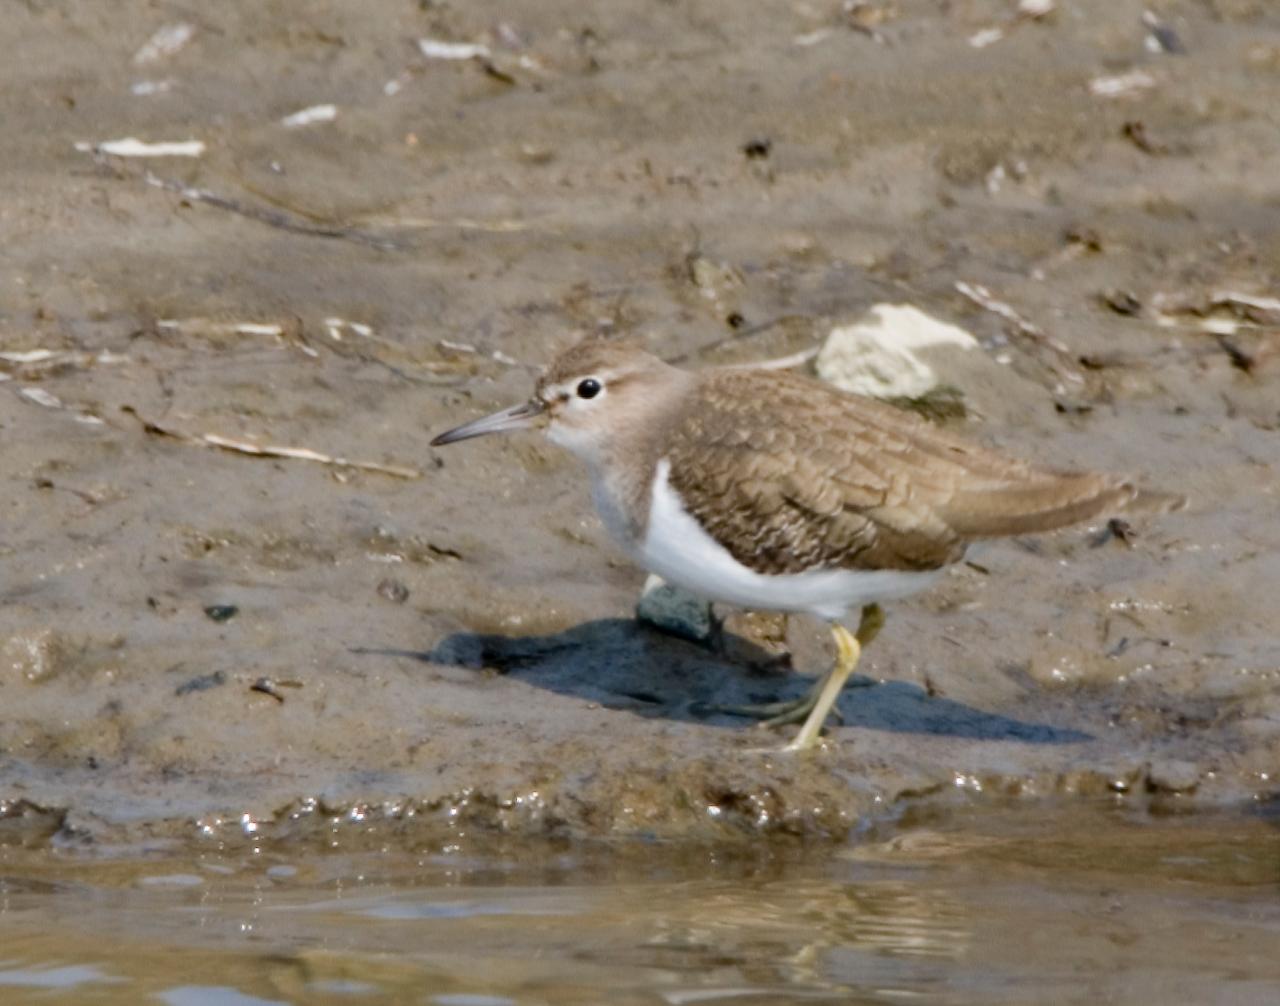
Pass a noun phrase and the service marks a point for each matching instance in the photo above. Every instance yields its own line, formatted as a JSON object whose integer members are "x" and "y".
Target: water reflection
{"x": 1012, "y": 916}
{"x": 38, "y": 975}
{"x": 211, "y": 995}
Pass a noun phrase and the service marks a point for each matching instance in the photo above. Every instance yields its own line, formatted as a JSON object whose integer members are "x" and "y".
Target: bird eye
{"x": 588, "y": 388}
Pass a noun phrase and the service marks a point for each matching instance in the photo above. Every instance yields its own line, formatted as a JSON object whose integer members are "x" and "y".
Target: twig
{"x": 268, "y": 450}
{"x": 272, "y": 218}
{"x": 780, "y": 362}
{"x": 983, "y": 297}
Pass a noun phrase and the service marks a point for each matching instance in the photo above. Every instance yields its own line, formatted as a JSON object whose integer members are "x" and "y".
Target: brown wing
{"x": 823, "y": 479}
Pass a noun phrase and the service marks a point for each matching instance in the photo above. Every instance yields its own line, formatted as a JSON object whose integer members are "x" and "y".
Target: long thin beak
{"x": 518, "y": 417}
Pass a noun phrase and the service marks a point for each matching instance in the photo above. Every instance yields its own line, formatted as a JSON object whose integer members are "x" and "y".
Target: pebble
{"x": 674, "y": 611}
{"x": 34, "y": 656}
{"x": 393, "y": 590}
{"x": 1169, "y": 775}
{"x": 883, "y": 354}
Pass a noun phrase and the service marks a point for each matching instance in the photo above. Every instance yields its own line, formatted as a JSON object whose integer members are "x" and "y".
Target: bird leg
{"x": 816, "y": 706}
{"x": 848, "y": 650}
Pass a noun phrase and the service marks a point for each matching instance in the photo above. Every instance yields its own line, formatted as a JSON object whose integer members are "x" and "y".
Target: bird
{"x": 769, "y": 490}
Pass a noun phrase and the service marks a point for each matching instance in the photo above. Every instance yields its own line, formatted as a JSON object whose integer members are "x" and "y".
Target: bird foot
{"x": 771, "y": 714}
{"x": 776, "y": 714}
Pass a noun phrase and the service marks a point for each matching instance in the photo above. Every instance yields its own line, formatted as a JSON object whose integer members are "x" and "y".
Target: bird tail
{"x": 1057, "y": 502}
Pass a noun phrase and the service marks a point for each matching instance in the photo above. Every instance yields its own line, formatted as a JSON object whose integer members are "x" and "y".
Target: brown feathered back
{"x": 824, "y": 479}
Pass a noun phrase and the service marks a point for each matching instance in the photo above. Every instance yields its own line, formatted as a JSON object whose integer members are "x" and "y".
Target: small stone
{"x": 883, "y": 354}
{"x": 756, "y": 638}
{"x": 1122, "y": 302}
{"x": 35, "y": 655}
{"x": 201, "y": 683}
{"x": 172, "y": 880}
{"x": 674, "y": 611}
{"x": 393, "y": 590}
{"x": 1169, "y": 775}
{"x": 222, "y": 612}
{"x": 536, "y": 153}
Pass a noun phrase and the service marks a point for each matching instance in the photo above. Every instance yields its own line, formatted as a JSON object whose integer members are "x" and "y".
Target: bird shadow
{"x": 623, "y": 664}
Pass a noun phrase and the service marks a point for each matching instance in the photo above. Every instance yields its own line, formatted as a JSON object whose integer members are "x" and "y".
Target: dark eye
{"x": 588, "y": 388}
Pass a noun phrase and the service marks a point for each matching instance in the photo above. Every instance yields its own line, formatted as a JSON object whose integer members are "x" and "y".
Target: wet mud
{"x": 242, "y": 597}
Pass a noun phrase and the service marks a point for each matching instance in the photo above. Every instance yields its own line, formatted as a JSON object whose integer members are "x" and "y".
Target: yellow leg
{"x": 848, "y": 650}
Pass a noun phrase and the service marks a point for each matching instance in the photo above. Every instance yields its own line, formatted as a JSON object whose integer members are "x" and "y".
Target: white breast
{"x": 677, "y": 548}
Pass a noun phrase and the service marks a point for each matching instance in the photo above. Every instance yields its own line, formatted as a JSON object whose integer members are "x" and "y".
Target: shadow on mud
{"x": 622, "y": 664}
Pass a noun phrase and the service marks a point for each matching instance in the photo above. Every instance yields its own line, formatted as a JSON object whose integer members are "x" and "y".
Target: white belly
{"x": 677, "y": 548}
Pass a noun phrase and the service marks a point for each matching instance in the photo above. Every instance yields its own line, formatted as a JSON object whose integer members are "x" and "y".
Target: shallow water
{"x": 977, "y": 907}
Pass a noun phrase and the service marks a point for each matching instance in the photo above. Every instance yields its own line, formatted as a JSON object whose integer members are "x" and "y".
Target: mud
{"x": 454, "y": 651}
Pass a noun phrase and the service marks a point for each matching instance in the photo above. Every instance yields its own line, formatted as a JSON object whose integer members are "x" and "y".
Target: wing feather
{"x": 825, "y": 480}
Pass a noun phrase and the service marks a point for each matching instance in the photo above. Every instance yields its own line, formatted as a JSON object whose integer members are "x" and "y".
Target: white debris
{"x": 433, "y": 48}
{"x": 1210, "y": 326}
{"x": 1161, "y": 38}
{"x": 253, "y": 328}
{"x": 396, "y": 84}
{"x": 28, "y": 356}
{"x": 1122, "y": 85}
{"x": 813, "y": 37}
{"x": 146, "y": 88}
{"x": 310, "y": 116}
{"x": 1246, "y": 300}
{"x": 41, "y": 397}
{"x": 165, "y": 42}
{"x": 131, "y": 146}
{"x": 336, "y": 326}
{"x": 1222, "y": 312}
{"x": 204, "y": 326}
{"x": 986, "y": 37}
{"x": 1028, "y": 10}
{"x": 880, "y": 355}
{"x": 674, "y": 611}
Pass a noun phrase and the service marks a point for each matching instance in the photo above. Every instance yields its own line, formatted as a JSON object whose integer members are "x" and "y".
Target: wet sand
{"x": 198, "y": 643}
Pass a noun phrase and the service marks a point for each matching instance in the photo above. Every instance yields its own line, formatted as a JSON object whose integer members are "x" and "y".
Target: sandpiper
{"x": 767, "y": 490}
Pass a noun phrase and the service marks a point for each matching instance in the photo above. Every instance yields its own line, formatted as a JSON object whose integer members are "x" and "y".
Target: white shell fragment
{"x": 198, "y": 326}
{"x": 336, "y": 326}
{"x": 985, "y": 37}
{"x": 131, "y": 146}
{"x": 1122, "y": 85}
{"x": 1028, "y": 10}
{"x": 146, "y": 88}
{"x": 881, "y": 355}
{"x": 310, "y": 116}
{"x": 28, "y": 356}
{"x": 165, "y": 42}
{"x": 41, "y": 397}
{"x": 813, "y": 37}
{"x": 433, "y": 48}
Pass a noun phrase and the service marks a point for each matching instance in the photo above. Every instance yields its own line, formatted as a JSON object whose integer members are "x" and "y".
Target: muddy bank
{"x": 198, "y": 640}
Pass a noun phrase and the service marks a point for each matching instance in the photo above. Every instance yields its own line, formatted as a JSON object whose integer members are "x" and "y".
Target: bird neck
{"x": 623, "y": 470}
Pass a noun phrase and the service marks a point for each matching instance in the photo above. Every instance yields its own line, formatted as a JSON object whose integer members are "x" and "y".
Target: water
{"x": 980, "y": 907}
